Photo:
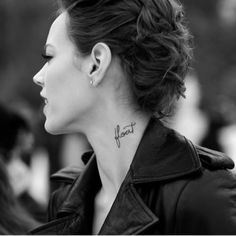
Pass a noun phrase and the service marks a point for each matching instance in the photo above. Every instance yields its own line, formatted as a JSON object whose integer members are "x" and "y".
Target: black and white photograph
{"x": 117, "y": 117}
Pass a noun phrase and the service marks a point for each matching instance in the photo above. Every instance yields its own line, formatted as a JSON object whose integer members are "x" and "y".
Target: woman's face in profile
{"x": 64, "y": 81}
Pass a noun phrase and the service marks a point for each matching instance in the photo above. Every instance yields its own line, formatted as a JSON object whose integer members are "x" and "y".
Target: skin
{"x": 74, "y": 105}
{"x": 63, "y": 80}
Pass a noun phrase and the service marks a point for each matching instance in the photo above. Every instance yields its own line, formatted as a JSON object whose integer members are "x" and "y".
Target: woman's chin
{"x": 52, "y": 128}
{"x": 56, "y": 128}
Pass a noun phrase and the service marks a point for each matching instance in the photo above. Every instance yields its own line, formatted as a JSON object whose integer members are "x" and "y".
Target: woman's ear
{"x": 101, "y": 59}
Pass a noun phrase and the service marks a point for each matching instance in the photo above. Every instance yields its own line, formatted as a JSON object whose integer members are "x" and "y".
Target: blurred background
{"x": 208, "y": 112}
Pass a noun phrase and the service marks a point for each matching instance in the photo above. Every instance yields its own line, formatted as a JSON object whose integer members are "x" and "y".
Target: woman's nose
{"x": 39, "y": 79}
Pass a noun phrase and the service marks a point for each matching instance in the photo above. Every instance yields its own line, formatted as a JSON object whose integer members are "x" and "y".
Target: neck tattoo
{"x": 120, "y": 133}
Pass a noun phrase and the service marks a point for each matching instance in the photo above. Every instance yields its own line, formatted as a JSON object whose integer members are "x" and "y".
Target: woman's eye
{"x": 46, "y": 57}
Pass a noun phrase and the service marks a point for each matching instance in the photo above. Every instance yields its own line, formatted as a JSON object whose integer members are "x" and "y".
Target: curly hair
{"x": 149, "y": 36}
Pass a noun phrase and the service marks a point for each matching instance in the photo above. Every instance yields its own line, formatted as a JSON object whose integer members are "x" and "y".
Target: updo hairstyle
{"x": 150, "y": 38}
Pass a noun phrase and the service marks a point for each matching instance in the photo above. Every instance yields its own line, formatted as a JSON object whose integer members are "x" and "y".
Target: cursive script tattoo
{"x": 128, "y": 129}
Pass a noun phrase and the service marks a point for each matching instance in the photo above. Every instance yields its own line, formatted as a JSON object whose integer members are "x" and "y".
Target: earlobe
{"x": 101, "y": 59}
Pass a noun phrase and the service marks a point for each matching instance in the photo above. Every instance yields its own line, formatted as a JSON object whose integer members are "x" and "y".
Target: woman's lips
{"x": 44, "y": 98}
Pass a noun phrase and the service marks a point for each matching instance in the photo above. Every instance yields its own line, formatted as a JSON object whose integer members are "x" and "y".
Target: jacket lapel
{"x": 129, "y": 214}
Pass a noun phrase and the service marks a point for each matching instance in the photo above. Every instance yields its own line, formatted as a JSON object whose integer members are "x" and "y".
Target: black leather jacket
{"x": 172, "y": 187}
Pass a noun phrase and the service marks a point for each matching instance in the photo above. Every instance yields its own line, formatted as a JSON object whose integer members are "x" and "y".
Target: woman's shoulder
{"x": 209, "y": 198}
{"x": 214, "y": 182}
{"x": 203, "y": 201}
{"x": 212, "y": 159}
{"x": 214, "y": 178}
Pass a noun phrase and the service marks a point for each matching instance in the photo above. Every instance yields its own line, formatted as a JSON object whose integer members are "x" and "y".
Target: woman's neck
{"x": 114, "y": 139}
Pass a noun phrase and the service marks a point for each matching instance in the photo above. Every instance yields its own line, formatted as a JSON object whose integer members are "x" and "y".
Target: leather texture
{"x": 172, "y": 187}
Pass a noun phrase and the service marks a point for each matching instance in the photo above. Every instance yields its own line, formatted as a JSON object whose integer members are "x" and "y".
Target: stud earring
{"x": 91, "y": 81}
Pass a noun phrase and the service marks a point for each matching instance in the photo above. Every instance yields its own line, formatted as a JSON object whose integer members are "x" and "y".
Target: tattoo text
{"x": 128, "y": 129}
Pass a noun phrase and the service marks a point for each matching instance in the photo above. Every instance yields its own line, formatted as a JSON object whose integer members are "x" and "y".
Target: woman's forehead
{"x": 58, "y": 33}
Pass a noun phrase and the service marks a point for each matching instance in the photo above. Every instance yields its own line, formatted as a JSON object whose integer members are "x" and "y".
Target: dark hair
{"x": 149, "y": 36}
{"x": 10, "y": 125}
{"x": 14, "y": 219}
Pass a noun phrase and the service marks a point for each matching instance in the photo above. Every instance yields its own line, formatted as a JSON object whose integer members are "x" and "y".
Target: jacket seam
{"x": 51, "y": 207}
{"x": 177, "y": 205}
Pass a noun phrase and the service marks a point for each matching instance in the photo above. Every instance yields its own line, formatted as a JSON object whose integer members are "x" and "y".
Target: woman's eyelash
{"x": 46, "y": 57}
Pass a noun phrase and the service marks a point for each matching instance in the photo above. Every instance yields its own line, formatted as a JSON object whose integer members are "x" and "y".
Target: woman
{"x": 113, "y": 70}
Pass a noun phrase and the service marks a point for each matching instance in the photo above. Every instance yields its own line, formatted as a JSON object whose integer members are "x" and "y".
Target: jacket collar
{"x": 162, "y": 154}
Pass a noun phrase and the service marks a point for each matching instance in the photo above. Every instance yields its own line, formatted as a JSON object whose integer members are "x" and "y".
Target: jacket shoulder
{"x": 207, "y": 204}
{"x": 213, "y": 159}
